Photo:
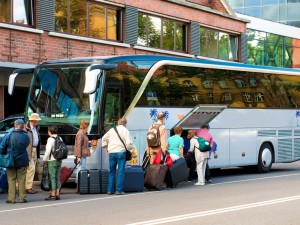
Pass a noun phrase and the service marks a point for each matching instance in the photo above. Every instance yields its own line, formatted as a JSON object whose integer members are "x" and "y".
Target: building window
{"x": 253, "y": 82}
{"x": 219, "y": 45}
{"x": 207, "y": 84}
{"x": 239, "y": 83}
{"x": 259, "y": 97}
{"x": 161, "y": 33}
{"x": 19, "y": 12}
{"x": 210, "y": 98}
{"x": 196, "y": 97}
{"x": 226, "y": 97}
{"x": 223, "y": 84}
{"x": 247, "y": 97}
{"x": 88, "y": 18}
{"x": 188, "y": 83}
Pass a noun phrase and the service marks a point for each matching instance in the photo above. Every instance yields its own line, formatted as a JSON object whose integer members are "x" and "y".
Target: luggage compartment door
{"x": 200, "y": 115}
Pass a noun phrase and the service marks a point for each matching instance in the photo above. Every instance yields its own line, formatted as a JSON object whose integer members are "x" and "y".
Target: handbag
{"x": 128, "y": 153}
{"x": 158, "y": 158}
{"x": 169, "y": 161}
{"x": 7, "y": 160}
{"x": 45, "y": 183}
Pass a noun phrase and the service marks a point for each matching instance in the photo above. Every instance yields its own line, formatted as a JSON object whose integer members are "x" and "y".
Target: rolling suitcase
{"x": 83, "y": 182}
{"x": 133, "y": 179}
{"x": 103, "y": 181}
{"x": 177, "y": 173}
{"x": 65, "y": 173}
{"x": 94, "y": 181}
{"x": 155, "y": 176}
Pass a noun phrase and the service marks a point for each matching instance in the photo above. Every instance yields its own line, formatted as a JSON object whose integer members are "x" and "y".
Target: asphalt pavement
{"x": 235, "y": 197}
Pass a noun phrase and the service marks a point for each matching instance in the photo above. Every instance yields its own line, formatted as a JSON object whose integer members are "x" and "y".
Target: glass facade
{"x": 19, "y": 12}
{"x": 88, "y": 18}
{"x": 217, "y": 44}
{"x": 161, "y": 33}
{"x": 283, "y": 11}
{"x": 272, "y": 50}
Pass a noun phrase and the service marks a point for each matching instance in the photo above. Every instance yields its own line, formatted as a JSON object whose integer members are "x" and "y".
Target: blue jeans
{"x": 118, "y": 158}
{"x": 81, "y": 166}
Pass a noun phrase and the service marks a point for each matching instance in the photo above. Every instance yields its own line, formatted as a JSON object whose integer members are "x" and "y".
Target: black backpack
{"x": 153, "y": 136}
{"x": 60, "y": 149}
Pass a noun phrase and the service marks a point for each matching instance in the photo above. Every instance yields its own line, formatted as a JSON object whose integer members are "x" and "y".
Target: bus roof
{"x": 113, "y": 59}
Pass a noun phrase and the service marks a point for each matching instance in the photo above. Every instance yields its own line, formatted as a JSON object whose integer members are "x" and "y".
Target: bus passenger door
{"x": 113, "y": 110}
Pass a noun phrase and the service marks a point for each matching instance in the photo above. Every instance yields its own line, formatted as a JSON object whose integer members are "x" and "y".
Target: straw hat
{"x": 35, "y": 116}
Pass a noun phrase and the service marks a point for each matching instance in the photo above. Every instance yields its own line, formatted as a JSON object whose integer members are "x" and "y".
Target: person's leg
{"x": 31, "y": 171}
{"x": 11, "y": 180}
{"x": 52, "y": 174}
{"x": 203, "y": 169}
{"x": 57, "y": 177}
{"x": 112, "y": 172}
{"x": 200, "y": 172}
{"x": 21, "y": 176}
{"x": 207, "y": 173}
{"x": 121, "y": 160}
{"x": 81, "y": 166}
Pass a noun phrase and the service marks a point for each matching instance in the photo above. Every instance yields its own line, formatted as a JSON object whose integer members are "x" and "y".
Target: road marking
{"x": 216, "y": 211}
{"x": 254, "y": 179}
{"x": 129, "y": 195}
{"x": 76, "y": 202}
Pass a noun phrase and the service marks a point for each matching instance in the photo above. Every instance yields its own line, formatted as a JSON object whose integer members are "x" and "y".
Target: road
{"x": 235, "y": 197}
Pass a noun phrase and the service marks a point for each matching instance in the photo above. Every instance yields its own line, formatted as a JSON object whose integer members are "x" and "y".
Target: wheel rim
{"x": 266, "y": 157}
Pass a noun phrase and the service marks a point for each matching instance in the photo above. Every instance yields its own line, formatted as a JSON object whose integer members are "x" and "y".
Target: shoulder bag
{"x": 128, "y": 153}
{"x": 7, "y": 160}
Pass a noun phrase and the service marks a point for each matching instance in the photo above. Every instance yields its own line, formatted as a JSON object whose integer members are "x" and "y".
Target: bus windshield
{"x": 57, "y": 95}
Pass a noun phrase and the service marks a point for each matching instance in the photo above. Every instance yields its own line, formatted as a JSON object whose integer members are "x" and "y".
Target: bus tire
{"x": 265, "y": 158}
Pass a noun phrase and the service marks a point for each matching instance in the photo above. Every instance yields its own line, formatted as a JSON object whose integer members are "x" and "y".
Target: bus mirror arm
{"x": 104, "y": 67}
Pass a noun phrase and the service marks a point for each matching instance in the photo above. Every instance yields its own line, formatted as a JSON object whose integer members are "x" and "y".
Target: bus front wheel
{"x": 265, "y": 158}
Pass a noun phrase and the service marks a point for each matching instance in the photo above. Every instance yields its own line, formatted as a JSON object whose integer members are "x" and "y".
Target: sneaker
{"x": 10, "y": 202}
{"x": 23, "y": 201}
{"x": 120, "y": 193}
{"x": 50, "y": 198}
{"x": 57, "y": 197}
{"x": 199, "y": 184}
{"x": 31, "y": 191}
{"x": 110, "y": 193}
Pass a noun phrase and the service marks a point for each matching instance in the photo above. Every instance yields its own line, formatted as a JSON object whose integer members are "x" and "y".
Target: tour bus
{"x": 252, "y": 111}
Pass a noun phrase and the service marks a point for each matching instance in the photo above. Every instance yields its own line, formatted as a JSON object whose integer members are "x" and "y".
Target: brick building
{"x": 33, "y": 31}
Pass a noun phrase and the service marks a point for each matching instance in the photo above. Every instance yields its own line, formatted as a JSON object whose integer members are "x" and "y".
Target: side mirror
{"x": 91, "y": 76}
{"x": 12, "y": 78}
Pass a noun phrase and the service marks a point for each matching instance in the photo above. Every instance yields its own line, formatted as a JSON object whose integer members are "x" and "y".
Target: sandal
{"x": 51, "y": 198}
{"x": 57, "y": 197}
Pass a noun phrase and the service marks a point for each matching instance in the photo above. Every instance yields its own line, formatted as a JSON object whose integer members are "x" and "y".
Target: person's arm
{"x": 192, "y": 145}
{"x": 181, "y": 147}
{"x": 163, "y": 138}
{"x": 128, "y": 140}
{"x": 48, "y": 149}
{"x": 78, "y": 146}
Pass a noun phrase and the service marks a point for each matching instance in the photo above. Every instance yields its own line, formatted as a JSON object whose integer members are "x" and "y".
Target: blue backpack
{"x": 204, "y": 145}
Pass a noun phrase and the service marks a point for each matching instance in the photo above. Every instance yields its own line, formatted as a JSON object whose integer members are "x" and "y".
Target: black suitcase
{"x": 133, "y": 179}
{"x": 94, "y": 181}
{"x": 177, "y": 173}
{"x": 155, "y": 176}
{"x": 103, "y": 181}
{"x": 83, "y": 182}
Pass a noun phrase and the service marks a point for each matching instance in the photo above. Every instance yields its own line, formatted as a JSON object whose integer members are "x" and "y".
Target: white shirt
{"x": 49, "y": 147}
{"x": 35, "y": 137}
{"x": 113, "y": 141}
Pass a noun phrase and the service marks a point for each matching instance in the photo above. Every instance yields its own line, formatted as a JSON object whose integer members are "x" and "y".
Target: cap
{"x": 19, "y": 122}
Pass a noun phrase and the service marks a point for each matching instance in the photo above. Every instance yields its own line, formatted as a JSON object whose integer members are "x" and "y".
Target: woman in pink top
{"x": 204, "y": 133}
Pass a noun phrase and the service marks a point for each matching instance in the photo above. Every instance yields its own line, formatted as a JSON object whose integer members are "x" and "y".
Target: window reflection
{"x": 161, "y": 33}
{"x": 17, "y": 11}
{"x": 87, "y": 18}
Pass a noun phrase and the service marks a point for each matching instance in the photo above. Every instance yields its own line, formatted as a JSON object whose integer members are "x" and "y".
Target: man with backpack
{"x": 157, "y": 137}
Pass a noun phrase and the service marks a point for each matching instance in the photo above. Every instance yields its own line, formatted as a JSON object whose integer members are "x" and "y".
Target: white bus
{"x": 252, "y": 110}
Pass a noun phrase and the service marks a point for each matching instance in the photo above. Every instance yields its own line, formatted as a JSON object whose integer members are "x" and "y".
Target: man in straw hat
{"x": 33, "y": 149}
